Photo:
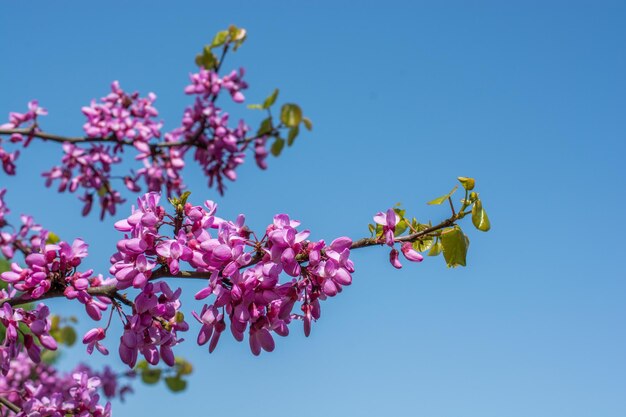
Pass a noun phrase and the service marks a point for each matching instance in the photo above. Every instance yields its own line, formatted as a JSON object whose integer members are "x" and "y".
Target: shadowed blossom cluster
{"x": 16, "y": 120}
{"x": 40, "y": 390}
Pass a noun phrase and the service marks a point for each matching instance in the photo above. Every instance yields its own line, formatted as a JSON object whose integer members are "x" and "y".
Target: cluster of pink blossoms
{"x": 219, "y": 148}
{"x": 125, "y": 117}
{"x": 93, "y": 174}
{"x": 16, "y": 339}
{"x": 29, "y": 235}
{"x": 55, "y": 266}
{"x": 39, "y": 390}
{"x": 16, "y": 120}
{"x": 129, "y": 119}
{"x": 388, "y": 221}
{"x": 153, "y": 328}
{"x": 243, "y": 275}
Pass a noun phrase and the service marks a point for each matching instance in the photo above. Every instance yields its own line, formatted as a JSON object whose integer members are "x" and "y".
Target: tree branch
{"x": 112, "y": 292}
{"x": 8, "y": 404}
{"x": 110, "y": 139}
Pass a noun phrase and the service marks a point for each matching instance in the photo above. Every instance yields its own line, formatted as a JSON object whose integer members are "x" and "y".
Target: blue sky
{"x": 529, "y": 99}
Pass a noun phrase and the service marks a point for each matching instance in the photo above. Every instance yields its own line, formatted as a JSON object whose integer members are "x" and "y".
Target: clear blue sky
{"x": 529, "y": 99}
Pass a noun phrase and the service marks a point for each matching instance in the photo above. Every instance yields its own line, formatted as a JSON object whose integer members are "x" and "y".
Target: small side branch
{"x": 8, "y": 404}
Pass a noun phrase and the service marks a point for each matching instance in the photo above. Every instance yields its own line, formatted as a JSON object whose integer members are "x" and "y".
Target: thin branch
{"x": 365, "y": 242}
{"x": 112, "y": 292}
{"x": 8, "y": 404}
{"x": 110, "y": 139}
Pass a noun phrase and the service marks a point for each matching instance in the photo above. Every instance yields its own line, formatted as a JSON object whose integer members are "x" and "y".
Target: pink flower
{"x": 388, "y": 221}
{"x": 410, "y": 253}
{"x": 92, "y": 339}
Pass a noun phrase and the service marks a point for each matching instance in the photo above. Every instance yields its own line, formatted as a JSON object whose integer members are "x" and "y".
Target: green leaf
{"x": 4, "y": 265}
{"x": 52, "y": 238}
{"x": 219, "y": 39}
{"x": 467, "y": 183}
{"x": 142, "y": 364}
{"x": 401, "y": 227}
{"x": 435, "y": 249}
{"x": 454, "y": 245}
{"x": 277, "y": 146}
{"x": 238, "y": 35}
{"x": 206, "y": 59}
{"x": 307, "y": 123}
{"x": 270, "y": 99}
{"x": 50, "y": 356}
{"x": 293, "y": 134}
{"x": 372, "y": 229}
{"x": 151, "y": 375}
{"x": 479, "y": 217}
{"x": 68, "y": 335}
{"x": 175, "y": 383}
{"x": 291, "y": 114}
{"x": 266, "y": 127}
{"x": 255, "y": 107}
{"x": 443, "y": 198}
{"x": 425, "y": 242}
{"x": 184, "y": 367}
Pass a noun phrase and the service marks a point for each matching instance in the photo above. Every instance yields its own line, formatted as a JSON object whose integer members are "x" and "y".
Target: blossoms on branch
{"x": 17, "y": 339}
{"x": 16, "y": 120}
{"x": 153, "y": 328}
{"x": 89, "y": 169}
{"x": 125, "y": 117}
{"x": 388, "y": 222}
{"x": 40, "y": 390}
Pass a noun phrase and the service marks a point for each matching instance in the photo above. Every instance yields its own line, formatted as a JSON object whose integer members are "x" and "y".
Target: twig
{"x": 8, "y": 404}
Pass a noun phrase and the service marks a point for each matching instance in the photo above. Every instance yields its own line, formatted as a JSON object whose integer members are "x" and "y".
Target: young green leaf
{"x": 436, "y": 249}
{"x": 467, "y": 183}
{"x": 443, "y": 198}
{"x": 307, "y": 123}
{"x": 271, "y": 99}
{"x": 479, "y": 217}
{"x": 175, "y": 383}
{"x": 454, "y": 245}
{"x": 151, "y": 375}
{"x": 219, "y": 39}
{"x": 68, "y": 335}
{"x": 293, "y": 134}
{"x": 277, "y": 146}
{"x": 291, "y": 114}
{"x": 266, "y": 127}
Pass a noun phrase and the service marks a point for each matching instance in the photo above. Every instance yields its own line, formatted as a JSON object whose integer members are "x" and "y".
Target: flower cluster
{"x": 89, "y": 169}
{"x": 243, "y": 275}
{"x": 389, "y": 221}
{"x": 163, "y": 170}
{"x": 134, "y": 261}
{"x": 152, "y": 329}
{"x": 55, "y": 266}
{"x": 39, "y": 390}
{"x": 16, "y": 120}
{"x": 219, "y": 149}
{"x": 16, "y": 339}
{"x": 125, "y": 117}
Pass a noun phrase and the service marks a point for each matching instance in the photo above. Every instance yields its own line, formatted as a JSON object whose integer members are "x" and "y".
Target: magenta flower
{"x": 92, "y": 339}
{"x": 388, "y": 221}
{"x": 410, "y": 253}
